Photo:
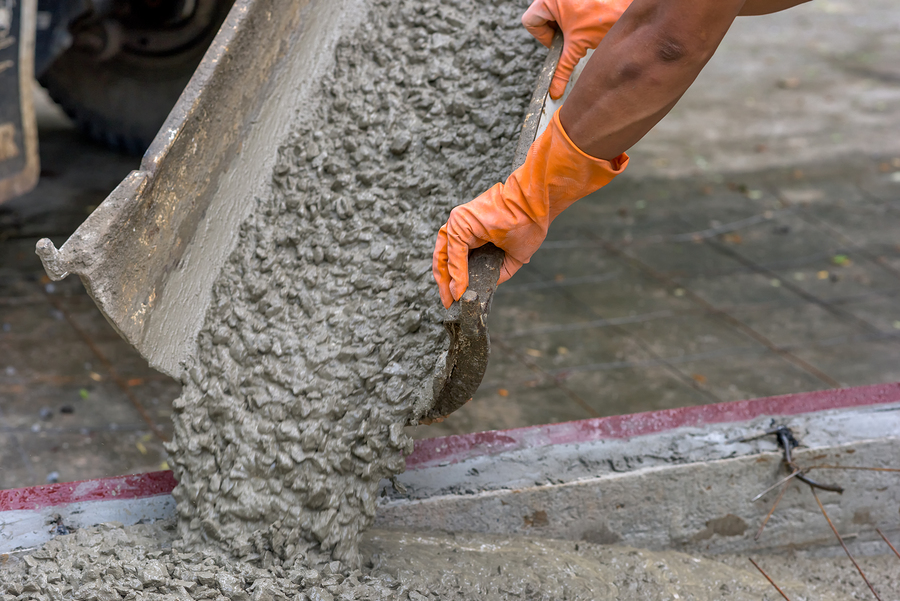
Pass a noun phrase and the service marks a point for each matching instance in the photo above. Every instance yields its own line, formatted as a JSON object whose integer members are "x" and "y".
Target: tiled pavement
{"x": 652, "y": 293}
{"x": 76, "y": 401}
{"x": 656, "y": 294}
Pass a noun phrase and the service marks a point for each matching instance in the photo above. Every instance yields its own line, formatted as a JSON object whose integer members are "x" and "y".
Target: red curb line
{"x": 453, "y": 449}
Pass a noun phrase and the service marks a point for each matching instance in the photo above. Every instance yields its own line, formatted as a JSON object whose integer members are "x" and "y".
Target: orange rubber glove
{"x": 583, "y": 24}
{"x": 515, "y": 215}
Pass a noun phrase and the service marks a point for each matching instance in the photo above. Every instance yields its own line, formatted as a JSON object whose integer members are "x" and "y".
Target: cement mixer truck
{"x": 115, "y": 66}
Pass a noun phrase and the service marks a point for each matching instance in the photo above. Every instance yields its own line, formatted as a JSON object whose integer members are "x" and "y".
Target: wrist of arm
{"x": 641, "y": 69}
{"x": 765, "y": 7}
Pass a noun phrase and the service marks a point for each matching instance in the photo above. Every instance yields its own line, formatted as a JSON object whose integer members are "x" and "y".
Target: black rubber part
{"x": 122, "y": 102}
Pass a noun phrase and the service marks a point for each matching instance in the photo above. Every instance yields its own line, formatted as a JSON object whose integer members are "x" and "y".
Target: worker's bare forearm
{"x": 640, "y": 70}
{"x": 765, "y": 7}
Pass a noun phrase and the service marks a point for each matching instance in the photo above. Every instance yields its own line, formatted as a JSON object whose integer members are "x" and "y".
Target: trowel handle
{"x": 538, "y": 99}
{"x": 491, "y": 256}
{"x": 484, "y": 264}
{"x": 460, "y": 373}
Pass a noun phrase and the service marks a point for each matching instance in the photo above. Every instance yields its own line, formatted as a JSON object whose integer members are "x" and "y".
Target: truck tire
{"x": 122, "y": 101}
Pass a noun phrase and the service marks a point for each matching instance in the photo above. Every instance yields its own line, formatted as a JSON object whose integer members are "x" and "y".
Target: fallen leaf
{"x": 140, "y": 447}
{"x": 84, "y": 394}
{"x": 95, "y": 376}
{"x": 533, "y": 352}
{"x": 135, "y": 381}
{"x": 537, "y": 519}
{"x": 699, "y": 378}
{"x": 841, "y": 260}
{"x": 897, "y": 325}
{"x": 822, "y": 275}
{"x": 164, "y": 465}
{"x": 732, "y": 238}
{"x": 562, "y": 350}
{"x": 503, "y": 392}
{"x": 788, "y": 83}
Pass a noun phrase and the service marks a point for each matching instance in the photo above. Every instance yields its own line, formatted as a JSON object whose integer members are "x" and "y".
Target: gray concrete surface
{"x": 751, "y": 249}
{"x": 637, "y": 302}
{"x": 75, "y": 400}
{"x": 688, "y": 488}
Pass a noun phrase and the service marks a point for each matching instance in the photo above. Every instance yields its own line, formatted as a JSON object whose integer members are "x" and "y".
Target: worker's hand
{"x": 583, "y": 24}
{"x": 515, "y": 215}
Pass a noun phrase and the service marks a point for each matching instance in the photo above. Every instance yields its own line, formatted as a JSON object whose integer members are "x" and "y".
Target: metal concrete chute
{"x": 150, "y": 253}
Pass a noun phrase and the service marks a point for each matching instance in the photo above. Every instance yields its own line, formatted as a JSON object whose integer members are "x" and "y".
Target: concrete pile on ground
{"x": 109, "y": 562}
{"x": 147, "y": 563}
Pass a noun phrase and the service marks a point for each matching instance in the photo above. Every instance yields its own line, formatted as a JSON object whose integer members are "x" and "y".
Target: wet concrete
{"x": 325, "y": 326}
{"x": 247, "y": 429}
{"x": 146, "y": 562}
{"x": 558, "y": 351}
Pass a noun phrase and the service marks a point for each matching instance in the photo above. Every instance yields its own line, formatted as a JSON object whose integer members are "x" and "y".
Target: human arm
{"x": 764, "y": 7}
{"x": 515, "y": 215}
{"x": 640, "y": 70}
{"x": 585, "y": 22}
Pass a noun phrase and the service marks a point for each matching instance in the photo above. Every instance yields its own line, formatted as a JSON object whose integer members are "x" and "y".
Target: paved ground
{"x": 750, "y": 249}
{"x": 753, "y": 249}
{"x": 682, "y": 292}
{"x": 75, "y": 400}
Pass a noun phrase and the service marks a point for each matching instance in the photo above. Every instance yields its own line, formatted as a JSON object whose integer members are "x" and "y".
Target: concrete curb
{"x": 676, "y": 478}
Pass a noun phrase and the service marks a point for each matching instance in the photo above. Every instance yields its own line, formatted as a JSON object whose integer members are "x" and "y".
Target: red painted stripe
{"x": 452, "y": 449}
{"x": 102, "y": 489}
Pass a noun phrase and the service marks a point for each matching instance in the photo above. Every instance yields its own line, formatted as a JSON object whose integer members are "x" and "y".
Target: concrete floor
{"x": 689, "y": 291}
{"x": 76, "y": 401}
{"x": 752, "y": 249}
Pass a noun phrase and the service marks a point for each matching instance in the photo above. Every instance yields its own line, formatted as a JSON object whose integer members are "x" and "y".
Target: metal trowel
{"x": 459, "y": 373}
